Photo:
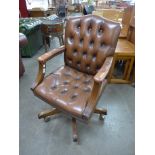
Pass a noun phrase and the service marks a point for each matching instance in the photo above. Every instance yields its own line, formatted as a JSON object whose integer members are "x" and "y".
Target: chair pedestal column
{"x": 74, "y": 129}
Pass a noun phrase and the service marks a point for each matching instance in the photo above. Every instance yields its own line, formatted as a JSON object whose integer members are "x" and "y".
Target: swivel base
{"x": 46, "y": 116}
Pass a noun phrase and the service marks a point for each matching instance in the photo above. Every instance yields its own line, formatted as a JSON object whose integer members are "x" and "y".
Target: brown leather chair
{"x": 75, "y": 88}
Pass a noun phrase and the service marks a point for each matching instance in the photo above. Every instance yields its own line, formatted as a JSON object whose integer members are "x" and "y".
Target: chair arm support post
{"x": 92, "y": 101}
{"x": 42, "y": 64}
{"x": 40, "y": 75}
{"x": 99, "y": 83}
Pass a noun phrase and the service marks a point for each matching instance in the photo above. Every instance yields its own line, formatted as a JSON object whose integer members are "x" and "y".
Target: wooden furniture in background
{"x": 125, "y": 54}
{"x": 126, "y": 20}
{"x": 114, "y": 15}
{"x": 131, "y": 30}
{"x": 123, "y": 16}
{"x": 52, "y": 9}
{"x": 51, "y": 29}
{"x": 70, "y": 9}
{"x": 39, "y": 12}
{"x": 96, "y": 3}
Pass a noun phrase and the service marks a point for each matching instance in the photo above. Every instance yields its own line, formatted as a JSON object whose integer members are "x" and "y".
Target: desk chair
{"x": 74, "y": 89}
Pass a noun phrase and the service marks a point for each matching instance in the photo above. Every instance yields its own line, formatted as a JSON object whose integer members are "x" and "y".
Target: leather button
{"x": 53, "y": 87}
{"x": 100, "y": 31}
{"x": 54, "y": 84}
{"x": 94, "y": 57}
{"x": 78, "y": 63}
{"x": 66, "y": 82}
{"x": 97, "y": 67}
{"x": 91, "y": 43}
{"x": 78, "y": 27}
{"x": 75, "y": 52}
{"x": 64, "y": 91}
{"x": 102, "y": 45}
{"x": 76, "y": 86}
{"x": 87, "y": 89}
{"x": 84, "y": 54}
{"x": 67, "y": 73}
{"x": 87, "y": 67}
{"x": 70, "y": 61}
{"x": 74, "y": 95}
{"x": 87, "y": 81}
{"x": 71, "y": 39}
{"x": 89, "y": 30}
{"x": 77, "y": 78}
{"x": 81, "y": 41}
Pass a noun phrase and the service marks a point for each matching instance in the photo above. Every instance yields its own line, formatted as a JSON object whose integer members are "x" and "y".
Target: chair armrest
{"x": 99, "y": 85}
{"x": 42, "y": 64}
{"x": 104, "y": 70}
{"x": 49, "y": 55}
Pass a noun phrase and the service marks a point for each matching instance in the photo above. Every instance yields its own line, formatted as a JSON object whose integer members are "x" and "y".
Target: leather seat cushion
{"x": 66, "y": 89}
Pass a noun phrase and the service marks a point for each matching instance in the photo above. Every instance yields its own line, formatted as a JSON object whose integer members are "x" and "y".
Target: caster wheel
{"x": 101, "y": 117}
{"x": 75, "y": 139}
{"x": 47, "y": 119}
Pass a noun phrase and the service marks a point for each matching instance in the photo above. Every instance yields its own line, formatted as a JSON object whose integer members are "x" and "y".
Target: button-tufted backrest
{"x": 89, "y": 40}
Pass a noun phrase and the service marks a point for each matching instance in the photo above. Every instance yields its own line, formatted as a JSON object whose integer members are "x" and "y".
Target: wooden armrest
{"x": 104, "y": 70}
{"x": 93, "y": 99}
{"x": 49, "y": 55}
{"x": 99, "y": 84}
{"x": 42, "y": 64}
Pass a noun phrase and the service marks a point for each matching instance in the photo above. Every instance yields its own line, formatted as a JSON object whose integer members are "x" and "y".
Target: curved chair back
{"x": 88, "y": 41}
